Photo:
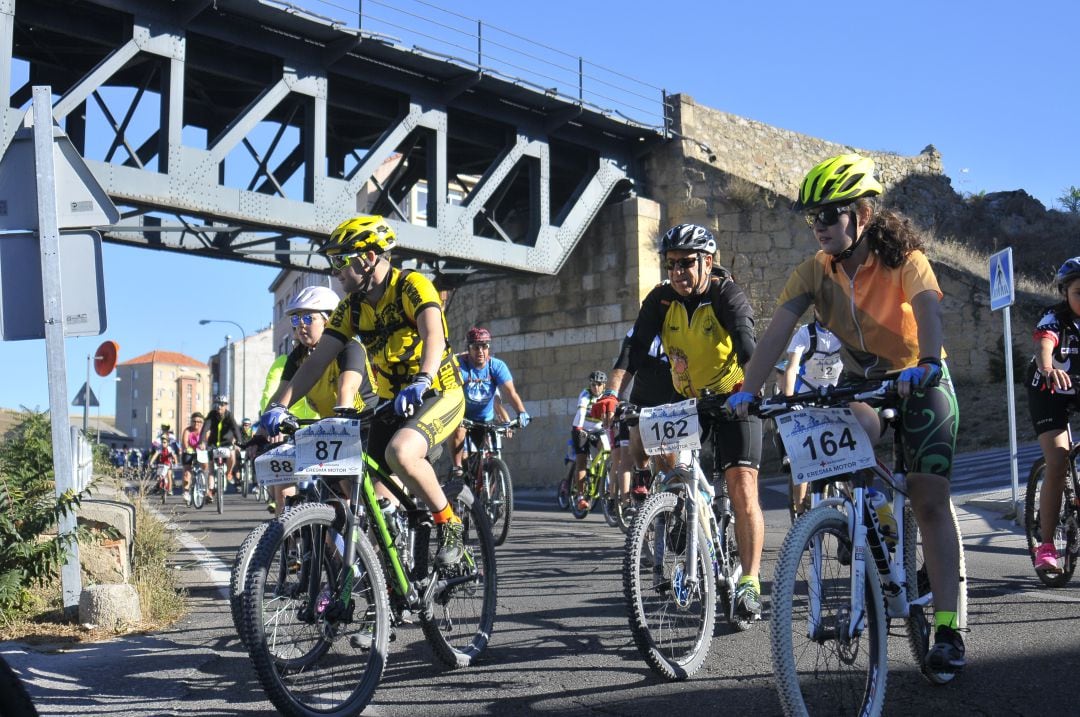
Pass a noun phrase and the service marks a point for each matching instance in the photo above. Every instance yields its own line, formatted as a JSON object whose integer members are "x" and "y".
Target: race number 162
{"x": 670, "y": 430}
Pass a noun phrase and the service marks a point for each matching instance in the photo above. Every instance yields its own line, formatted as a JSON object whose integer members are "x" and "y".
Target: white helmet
{"x": 313, "y": 298}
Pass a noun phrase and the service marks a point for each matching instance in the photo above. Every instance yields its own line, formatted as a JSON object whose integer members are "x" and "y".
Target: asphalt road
{"x": 562, "y": 644}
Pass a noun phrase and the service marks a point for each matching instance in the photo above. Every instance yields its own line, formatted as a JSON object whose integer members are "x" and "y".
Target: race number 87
{"x": 323, "y": 448}
{"x": 825, "y": 443}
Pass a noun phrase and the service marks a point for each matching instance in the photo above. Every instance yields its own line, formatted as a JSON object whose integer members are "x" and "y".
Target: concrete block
{"x": 111, "y": 606}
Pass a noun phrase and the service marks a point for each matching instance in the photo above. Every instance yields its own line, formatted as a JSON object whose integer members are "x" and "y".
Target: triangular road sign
{"x": 80, "y": 398}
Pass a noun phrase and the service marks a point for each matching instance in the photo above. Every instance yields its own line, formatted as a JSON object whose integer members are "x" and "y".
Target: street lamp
{"x": 243, "y": 371}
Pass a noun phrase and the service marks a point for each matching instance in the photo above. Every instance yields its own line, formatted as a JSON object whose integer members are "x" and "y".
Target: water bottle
{"x": 886, "y": 520}
{"x": 388, "y": 510}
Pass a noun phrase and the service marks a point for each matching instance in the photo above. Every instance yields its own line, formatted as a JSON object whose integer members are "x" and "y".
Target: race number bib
{"x": 823, "y": 442}
{"x": 276, "y": 466}
{"x": 330, "y": 447}
{"x": 670, "y": 428}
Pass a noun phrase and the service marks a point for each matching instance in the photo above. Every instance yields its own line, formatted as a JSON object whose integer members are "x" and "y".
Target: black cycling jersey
{"x": 1058, "y": 323}
{"x": 652, "y": 380}
{"x": 221, "y": 429}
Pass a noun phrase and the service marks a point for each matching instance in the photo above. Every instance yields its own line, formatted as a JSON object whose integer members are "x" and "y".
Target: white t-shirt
{"x": 823, "y": 367}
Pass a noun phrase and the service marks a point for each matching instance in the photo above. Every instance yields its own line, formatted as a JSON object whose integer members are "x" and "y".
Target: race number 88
{"x": 281, "y": 466}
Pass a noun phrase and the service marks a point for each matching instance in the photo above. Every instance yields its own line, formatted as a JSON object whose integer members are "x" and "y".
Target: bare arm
{"x": 512, "y": 395}
{"x": 429, "y": 326}
{"x": 927, "y": 309}
{"x": 768, "y": 349}
{"x": 791, "y": 371}
{"x": 615, "y": 382}
{"x": 309, "y": 372}
{"x": 348, "y": 386}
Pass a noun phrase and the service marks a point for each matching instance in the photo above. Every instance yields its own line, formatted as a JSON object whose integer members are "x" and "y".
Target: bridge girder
{"x": 304, "y": 123}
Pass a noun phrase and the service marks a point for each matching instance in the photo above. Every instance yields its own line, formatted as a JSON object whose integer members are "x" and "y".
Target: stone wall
{"x": 552, "y": 331}
{"x": 738, "y": 178}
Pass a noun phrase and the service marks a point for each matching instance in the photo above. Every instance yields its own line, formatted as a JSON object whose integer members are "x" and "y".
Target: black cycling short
{"x": 736, "y": 442}
{"x": 1049, "y": 410}
{"x": 187, "y": 459}
{"x": 622, "y": 434}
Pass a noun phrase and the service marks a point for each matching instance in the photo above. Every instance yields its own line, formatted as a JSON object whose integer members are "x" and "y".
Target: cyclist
{"x": 399, "y": 318}
{"x": 813, "y": 360}
{"x": 164, "y": 451}
{"x": 483, "y": 376}
{"x": 1051, "y": 395}
{"x": 650, "y": 386}
{"x": 706, "y": 325}
{"x": 585, "y": 420}
{"x": 220, "y": 431}
{"x": 190, "y": 439}
{"x": 876, "y": 291}
{"x": 346, "y": 381}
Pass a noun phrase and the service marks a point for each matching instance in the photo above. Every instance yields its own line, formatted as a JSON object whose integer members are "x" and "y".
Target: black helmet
{"x": 688, "y": 237}
{"x": 598, "y": 377}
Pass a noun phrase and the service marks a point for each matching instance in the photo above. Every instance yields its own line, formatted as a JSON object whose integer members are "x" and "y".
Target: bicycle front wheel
{"x": 315, "y": 653}
{"x": 499, "y": 500}
{"x": 459, "y": 620}
{"x": 827, "y": 657}
{"x": 198, "y": 489}
{"x": 238, "y": 578}
{"x": 562, "y": 493}
{"x": 921, "y": 617}
{"x": 219, "y": 475}
{"x": 1065, "y": 534}
{"x": 671, "y": 619}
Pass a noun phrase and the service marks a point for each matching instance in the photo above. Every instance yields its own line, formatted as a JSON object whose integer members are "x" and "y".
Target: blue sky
{"x": 990, "y": 85}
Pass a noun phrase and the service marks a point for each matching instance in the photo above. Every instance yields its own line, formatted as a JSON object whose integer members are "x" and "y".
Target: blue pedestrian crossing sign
{"x": 1002, "y": 286}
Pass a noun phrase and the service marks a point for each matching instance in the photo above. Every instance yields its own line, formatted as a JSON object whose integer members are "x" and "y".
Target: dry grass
{"x": 960, "y": 255}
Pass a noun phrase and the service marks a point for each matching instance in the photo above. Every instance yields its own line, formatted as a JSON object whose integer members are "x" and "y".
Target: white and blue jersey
{"x": 481, "y": 385}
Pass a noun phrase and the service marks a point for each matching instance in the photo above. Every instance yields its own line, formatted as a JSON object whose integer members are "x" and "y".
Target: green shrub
{"x": 29, "y": 511}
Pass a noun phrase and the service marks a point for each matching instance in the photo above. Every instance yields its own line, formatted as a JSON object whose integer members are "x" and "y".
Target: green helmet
{"x": 839, "y": 179}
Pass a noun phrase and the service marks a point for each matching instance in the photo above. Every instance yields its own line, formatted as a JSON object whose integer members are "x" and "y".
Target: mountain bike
{"x": 320, "y": 602}
{"x": 682, "y": 558}
{"x": 596, "y": 473}
{"x": 491, "y": 484}
{"x": 838, "y": 581}
{"x": 1068, "y": 524}
{"x": 164, "y": 480}
{"x": 219, "y": 474}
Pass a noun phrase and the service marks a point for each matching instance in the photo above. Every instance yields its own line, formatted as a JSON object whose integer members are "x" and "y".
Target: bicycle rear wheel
{"x": 1065, "y": 535}
{"x": 459, "y": 620}
{"x": 671, "y": 621}
{"x": 499, "y": 501}
{"x": 313, "y": 654}
{"x": 562, "y": 493}
{"x": 819, "y": 666}
{"x": 921, "y": 618}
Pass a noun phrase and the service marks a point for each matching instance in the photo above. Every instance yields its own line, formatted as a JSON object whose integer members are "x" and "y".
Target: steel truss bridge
{"x": 247, "y": 129}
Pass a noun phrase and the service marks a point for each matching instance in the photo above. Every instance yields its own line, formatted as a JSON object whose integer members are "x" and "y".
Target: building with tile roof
{"x": 159, "y": 387}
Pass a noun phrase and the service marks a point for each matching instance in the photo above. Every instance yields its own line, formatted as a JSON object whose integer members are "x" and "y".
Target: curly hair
{"x": 890, "y": 234}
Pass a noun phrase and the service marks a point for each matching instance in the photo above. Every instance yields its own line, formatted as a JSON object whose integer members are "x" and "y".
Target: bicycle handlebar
{"x": 872, "y": 392}
{"x": 499, "y": 427}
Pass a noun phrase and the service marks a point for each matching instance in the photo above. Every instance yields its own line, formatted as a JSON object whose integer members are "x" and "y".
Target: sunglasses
{"x": 827, "y": 216}
{"x": 486, "y": 347}
{"x": 596, "y": 383}
{"x": 306, "y": 320}
{"x": 684, "y": 263}
{"x": 340, "y": 261}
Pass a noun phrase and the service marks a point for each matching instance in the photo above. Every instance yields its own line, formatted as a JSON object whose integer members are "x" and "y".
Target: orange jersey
{"x": 870, "y": 312}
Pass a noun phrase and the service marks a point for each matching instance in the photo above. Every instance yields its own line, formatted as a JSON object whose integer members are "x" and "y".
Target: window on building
{"x": 134, "y": 414}
{"x": 134, "y": 393}
{"x": 134, "y": 373}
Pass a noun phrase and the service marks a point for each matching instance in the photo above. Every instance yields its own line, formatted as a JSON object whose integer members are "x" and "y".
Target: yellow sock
{"x": 946, "y": 618}
{"x": 753, "y": 580}
{"x": 446, "y": 515}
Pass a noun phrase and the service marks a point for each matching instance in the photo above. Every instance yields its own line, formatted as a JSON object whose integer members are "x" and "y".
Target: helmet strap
{"x": 846, "y": 253}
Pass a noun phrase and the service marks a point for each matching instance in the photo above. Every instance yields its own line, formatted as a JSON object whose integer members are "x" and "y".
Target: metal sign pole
{"x": 1011, "y": 398}
{"x": 55, "y": 359}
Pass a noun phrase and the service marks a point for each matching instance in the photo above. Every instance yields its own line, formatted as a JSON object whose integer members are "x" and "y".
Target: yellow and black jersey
{"x": 323, "y": 396}
{"x": 388, "y": 331}
{"x": 708, "y": 338}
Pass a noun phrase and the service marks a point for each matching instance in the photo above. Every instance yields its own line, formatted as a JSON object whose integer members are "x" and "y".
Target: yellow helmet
{"x": 843, "y": 178}
{"x": 360, "y": 234}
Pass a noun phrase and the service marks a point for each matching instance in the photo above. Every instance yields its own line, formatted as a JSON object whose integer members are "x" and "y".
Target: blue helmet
{"x": 1069, "y": 270}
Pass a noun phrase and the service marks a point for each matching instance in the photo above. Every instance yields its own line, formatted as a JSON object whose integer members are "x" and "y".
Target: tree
{"x": 1070, "y": 200}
